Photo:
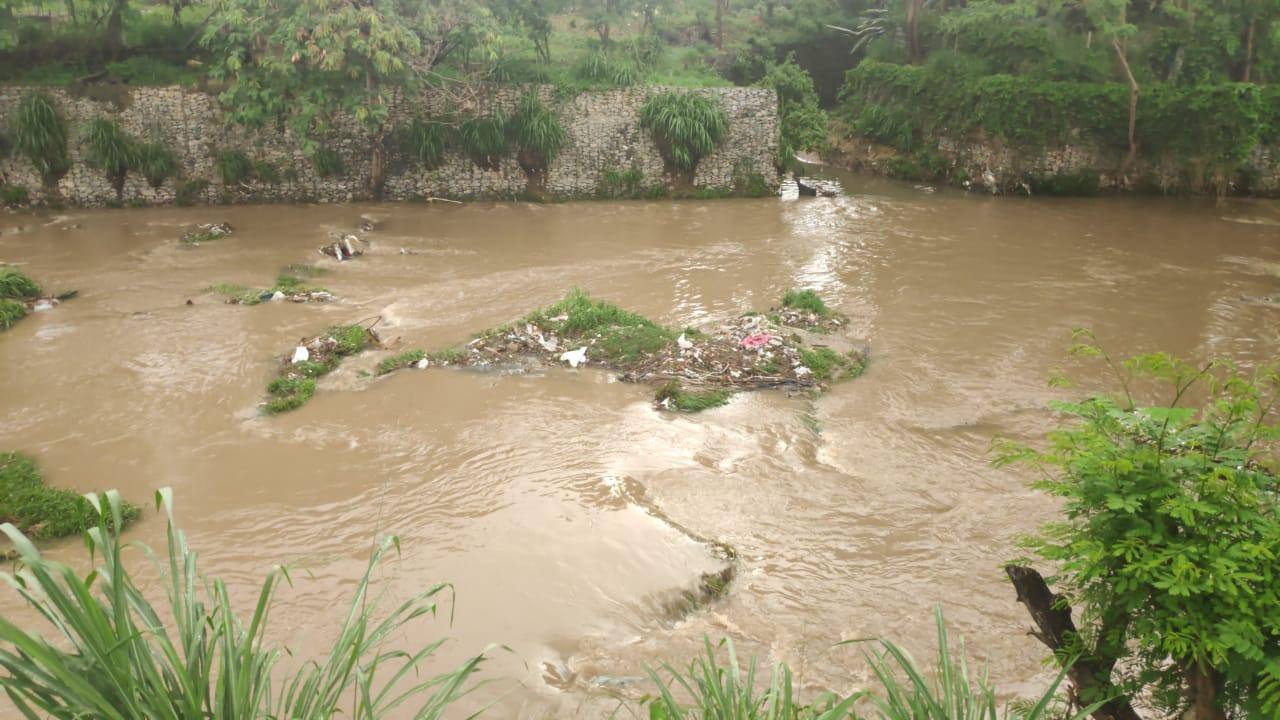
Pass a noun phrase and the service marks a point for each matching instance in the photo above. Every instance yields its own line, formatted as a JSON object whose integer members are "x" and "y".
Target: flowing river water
{"x": 853, "y": 514}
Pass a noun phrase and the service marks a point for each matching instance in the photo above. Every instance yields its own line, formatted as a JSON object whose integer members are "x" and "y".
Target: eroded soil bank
{"x": 576, "y": 521}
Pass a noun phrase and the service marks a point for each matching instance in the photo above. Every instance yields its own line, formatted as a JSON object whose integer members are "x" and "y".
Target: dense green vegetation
{"x": 678, "y": 398}
{"x": 42, "y": 512}
{"x": 1169, "y": 536}
{"x": 15, "y": 289}
{"x": 1187, "y": 83}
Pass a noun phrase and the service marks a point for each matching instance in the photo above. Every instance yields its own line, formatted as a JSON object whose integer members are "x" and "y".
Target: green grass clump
{"x": 403, "y": 360}
{"x": 427, "y": 141}
{"x": 289, "y": 393}
{"x": 685, "y": 125}
{"x": 106, "y": 652}
{"x": 602, "y": 68}
{"x": 485, "y": 139}
{"x": 537, "y": 132}
{"x": 40, "y": 133}
{"x": 297, "y": 382}
{"x": 13, "y": 195}
{"x": 39, "y": 511}
{"x": 827, "y": 364}
{"x": 242, "y": 294}
{"x": 156, "y": 162}
{"x": 14, "y": 284}
{"x": 11, "y": 311}
{"x": 805, "y": 300}
{"x": 328, "y": 162}
{"x": 234, "y": 167}
{"x": 111, "y": 150}
{"x": 621, "y": 335}
{"x": 691, "y": 401}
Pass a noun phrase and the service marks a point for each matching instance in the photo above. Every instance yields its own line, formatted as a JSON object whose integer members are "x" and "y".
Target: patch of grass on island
{"x": 42, "y": 512}
{"x": 296, "y": 384}
{"x": 677, "y": 398}
{"x": 286, "y": 283}
{"x": 828, "y": 365}
{"x": 621, "y": 336}
{"x": 805, "y": 300}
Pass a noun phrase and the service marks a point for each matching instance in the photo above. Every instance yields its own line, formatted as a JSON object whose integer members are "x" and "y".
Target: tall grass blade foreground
{"x": 951, "y": 691}
{"x": 723, "y": 692}
{"x": 113, "y": 657}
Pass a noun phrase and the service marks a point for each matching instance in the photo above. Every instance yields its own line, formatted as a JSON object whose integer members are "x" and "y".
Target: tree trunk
{"x": 115, "y": 29}
{"x": 1247, "y": 71}
{"x": 720, "y": 7}
{"x": 1204, "y": 684}
{"x": 1133, "y": 106}
{"x": 914, "y": 8}
{"x": 1090, "y": 674}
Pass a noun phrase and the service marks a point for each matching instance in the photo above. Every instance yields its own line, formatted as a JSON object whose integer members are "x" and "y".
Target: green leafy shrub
{"x": 112, "y": 656}
{"x": 686, "y": 127}
{"x": 828, "y": 365}
{"x": 234, "y": 167}
{"x": 41, "y": 512}
{"x": 802, "y": 124}
{"x": 1170, "y": 529}
{"x": 485, "y": 140}
{"x": 156, "y": 162}
{"x": 289, "y": 393}
{"x": 16, "y": 285}
{"x": 11, "y": 311}
{"x": 328, "y": 163}
{"x": 40, "y": 134}
{"x": 537, "y": 133}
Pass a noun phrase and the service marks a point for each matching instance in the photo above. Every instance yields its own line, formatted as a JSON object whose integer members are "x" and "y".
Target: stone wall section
{"x": 603, "y": 127}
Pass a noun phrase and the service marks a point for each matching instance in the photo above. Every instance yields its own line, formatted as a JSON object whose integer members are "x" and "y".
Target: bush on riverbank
{"x": 1168, "y": 540}
{"x": 42, "y": 512}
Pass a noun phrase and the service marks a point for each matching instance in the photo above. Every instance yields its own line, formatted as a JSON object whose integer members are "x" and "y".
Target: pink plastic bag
{"x": 756, "y": 341}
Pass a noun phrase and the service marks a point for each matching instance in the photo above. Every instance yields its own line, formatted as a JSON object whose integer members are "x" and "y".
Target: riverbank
{"x": 180, "y": 148}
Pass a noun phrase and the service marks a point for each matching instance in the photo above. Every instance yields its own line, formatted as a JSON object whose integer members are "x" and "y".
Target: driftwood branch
{"x": 1090, "y": 675}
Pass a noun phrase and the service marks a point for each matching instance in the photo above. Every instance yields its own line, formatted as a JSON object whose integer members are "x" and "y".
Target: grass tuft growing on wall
{"x": 685, "y": 125}
{"x": 40, "y": 133}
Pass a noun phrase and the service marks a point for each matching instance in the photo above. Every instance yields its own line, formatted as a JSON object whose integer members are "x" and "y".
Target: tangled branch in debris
{"x": 313, "y": 358}
{"x": 750, "y": 352}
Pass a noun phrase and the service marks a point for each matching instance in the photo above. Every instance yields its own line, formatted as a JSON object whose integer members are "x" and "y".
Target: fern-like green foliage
{"x": 234, "y": 167}
{"x": 686, "y": 126}
{"x": 157, "y": 162}
{"x": 40, "y": 133}
{"x": 328, "y": 162}
{"x": 485, "y": 140}
{"x": 537, "y": 132}
{"x": 428, "y": 140}
{"x": 111, "y": 150}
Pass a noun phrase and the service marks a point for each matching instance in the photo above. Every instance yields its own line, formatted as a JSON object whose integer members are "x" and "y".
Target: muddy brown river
{"x": 853, "y": 513}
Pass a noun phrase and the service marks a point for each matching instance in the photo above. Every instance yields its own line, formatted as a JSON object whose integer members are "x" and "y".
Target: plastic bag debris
{"x": 757, "y": 340}
{"x": 575, "y": 358}
{"x": 301, "y": 354}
